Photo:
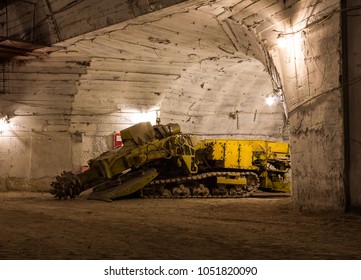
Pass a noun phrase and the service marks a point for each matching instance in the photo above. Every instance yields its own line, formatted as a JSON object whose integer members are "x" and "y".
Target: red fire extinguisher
{"x": 118, "y": 142}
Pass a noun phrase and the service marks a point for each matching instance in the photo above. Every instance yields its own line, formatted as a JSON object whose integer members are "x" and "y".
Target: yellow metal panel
{"x": 238, "y": 154}
{"x": 234, "y": 153}
{"x": 278, "y": 149}
{"x": 232, "y": 159}
{"x": 219, "y": 150}
{"x": 246, "y": 156}
{"x": 232, "y": 180}
{"x": 241, "y": 153}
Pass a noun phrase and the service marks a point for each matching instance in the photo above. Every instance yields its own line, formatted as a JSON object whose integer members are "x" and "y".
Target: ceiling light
{"x": 4, "y": 124}
{"x": 270, "y": 100}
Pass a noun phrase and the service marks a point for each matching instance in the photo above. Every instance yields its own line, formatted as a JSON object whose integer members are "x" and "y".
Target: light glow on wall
{"x": 144, "y": 117}
{"x": 275, "y": 98}
{"x": 285, "y": 42}
{"x": 291, "y": 42}
{"x": 270, "y": 100}
{"x": 4, "y": 124}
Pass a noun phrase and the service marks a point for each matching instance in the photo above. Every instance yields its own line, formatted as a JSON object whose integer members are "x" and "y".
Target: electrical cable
{"x": 161, "y": 151}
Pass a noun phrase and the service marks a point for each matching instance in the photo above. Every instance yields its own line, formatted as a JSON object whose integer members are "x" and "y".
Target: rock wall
{"x": 310, "y": 66}
{"x": 35, "y": 143}
{"x": 48, "y": 22}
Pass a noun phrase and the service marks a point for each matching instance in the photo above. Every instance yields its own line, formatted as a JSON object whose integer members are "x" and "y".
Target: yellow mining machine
{"x": 161, "y": 161}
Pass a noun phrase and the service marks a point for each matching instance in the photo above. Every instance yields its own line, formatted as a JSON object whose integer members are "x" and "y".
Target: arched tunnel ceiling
{"x": 199, "y": 63}
{"x": 179, "y": 62}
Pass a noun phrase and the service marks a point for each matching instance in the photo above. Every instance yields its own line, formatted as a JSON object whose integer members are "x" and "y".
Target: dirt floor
{"x": 35, "y": 226}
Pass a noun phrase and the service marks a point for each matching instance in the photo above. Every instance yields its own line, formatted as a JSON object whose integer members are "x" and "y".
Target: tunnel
{"x": 76, "y": 73}
{"x": 207, "y": 65}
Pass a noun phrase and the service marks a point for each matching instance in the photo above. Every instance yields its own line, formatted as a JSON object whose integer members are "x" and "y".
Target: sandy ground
{"x": 35, "y": 226}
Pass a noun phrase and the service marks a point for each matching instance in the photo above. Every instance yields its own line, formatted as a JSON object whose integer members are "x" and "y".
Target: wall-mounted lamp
{"x": 284, "y": 41}
{"x": 5, "y": 117}
{"x": 4, "y": 123}
{"x": 274, "y": 98}
{"x": 271, "y": 100}
{"x": 289, "y": 41}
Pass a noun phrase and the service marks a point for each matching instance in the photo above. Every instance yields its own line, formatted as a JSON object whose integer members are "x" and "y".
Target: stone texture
{"x": 221, "y": 61}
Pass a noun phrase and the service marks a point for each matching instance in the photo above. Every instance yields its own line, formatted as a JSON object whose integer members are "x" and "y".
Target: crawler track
{"x": 195, "y": 186}
{"x": 201, "y": 186}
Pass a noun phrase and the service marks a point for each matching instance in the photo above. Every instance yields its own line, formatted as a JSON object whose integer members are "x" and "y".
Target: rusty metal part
{"x": 66, "y": 186}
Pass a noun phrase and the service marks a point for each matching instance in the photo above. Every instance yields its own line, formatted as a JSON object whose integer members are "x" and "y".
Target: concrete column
{"x": 310, "y": 69}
